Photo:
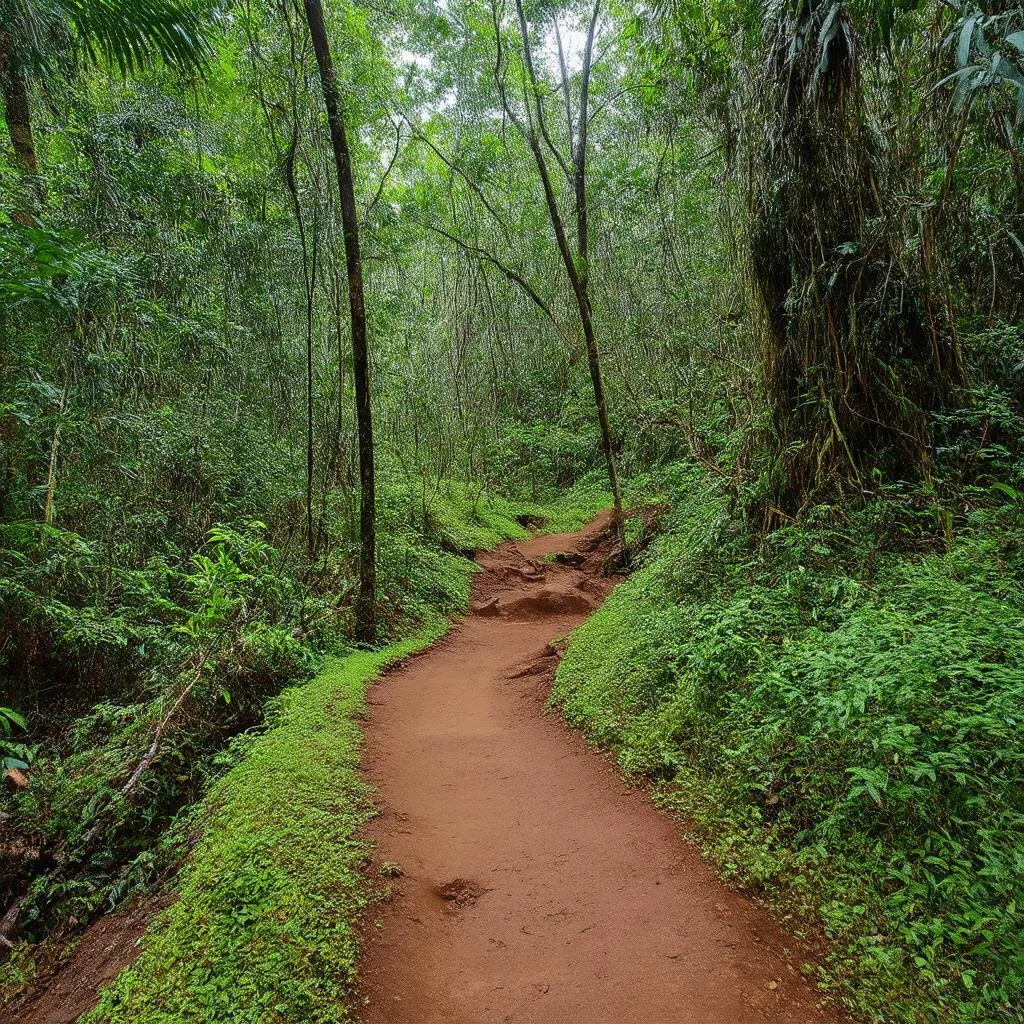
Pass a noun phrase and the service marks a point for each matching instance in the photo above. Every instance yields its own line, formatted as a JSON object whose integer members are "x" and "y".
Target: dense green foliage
{"x": 840, "y": 721}
{"x": 786, "y": 238}
{"x": 264, "y": 927}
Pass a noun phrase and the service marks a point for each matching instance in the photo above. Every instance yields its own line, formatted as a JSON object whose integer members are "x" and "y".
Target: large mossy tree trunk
{"x": 366, "y": 599}
{"x": 857, "y": 350}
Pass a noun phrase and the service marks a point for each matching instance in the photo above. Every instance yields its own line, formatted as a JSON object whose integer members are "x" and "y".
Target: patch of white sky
{"x": 414, "y": 60}
{"x": 573, "y": 35}
{"x": 571, "y": 28}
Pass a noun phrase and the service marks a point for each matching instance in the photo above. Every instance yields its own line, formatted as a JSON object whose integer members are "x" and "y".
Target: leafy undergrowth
{"x": 264, "y": 925}
{"x": 838, "y": 713}
{"x": 463, "y": 519}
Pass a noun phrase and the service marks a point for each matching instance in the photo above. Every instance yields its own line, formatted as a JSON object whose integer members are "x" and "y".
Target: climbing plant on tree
{"x": 857, "y": 354}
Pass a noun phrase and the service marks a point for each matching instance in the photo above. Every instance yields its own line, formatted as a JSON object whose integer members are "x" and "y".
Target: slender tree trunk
{"x": 365, "y": 602}
{"x": 580, "y": 293}
{"x": 16, "y": 110}
{"x": 579, "y": 153}
{"x": 308, "y": 275}
{"x": 309, "y": 281}
{"x": 578, "y": 274}
{"x": 339, "y": 334}
{"x": 310, "y": 540}
{"x": 51, "y": 476}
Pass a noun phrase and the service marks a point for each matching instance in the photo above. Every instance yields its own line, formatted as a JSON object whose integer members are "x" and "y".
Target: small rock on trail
{"x": 460, "y": 892}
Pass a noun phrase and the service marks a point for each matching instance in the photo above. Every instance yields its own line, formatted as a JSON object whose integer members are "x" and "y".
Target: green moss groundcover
{"x": 841, "y": 718}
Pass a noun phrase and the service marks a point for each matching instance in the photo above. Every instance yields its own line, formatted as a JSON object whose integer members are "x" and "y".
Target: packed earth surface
{"x": 528, "y": 882}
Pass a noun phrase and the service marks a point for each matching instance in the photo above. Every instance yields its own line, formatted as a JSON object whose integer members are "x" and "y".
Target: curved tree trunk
{"x": 576, "y": 267}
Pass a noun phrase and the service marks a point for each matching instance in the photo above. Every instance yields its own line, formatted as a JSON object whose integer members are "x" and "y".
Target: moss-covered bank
{"x": 264, "y": 925}
{"x": 838, "y": 709}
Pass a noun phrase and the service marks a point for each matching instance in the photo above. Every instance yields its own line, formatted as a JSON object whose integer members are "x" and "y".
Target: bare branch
{"x": 387, "y": 171}
{"x": 538, "y": 100}
{"x": 565, "y": 84}
{"x": 488, "y": 257}
{"x": 499, "y": 74}
{"x": 420, "y": 136}
{"x": 580, "y": 155}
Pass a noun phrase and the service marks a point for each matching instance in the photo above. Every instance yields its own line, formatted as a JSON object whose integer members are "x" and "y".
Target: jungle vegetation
{"x": 301, "y": 304}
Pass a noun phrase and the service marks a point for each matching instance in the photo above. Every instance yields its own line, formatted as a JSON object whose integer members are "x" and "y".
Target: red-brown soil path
{"x": 536, "y": 885}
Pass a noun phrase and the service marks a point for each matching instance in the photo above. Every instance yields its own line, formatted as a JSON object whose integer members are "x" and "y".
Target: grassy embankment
{"x": 838, "y": 710}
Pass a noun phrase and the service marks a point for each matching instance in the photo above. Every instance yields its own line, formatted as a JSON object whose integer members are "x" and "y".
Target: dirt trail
{"x": 536, "y": 886}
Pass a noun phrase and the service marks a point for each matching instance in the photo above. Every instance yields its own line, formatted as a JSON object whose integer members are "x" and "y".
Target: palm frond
{"x": 125, "y": 33}
{"x": 130, "y": 33}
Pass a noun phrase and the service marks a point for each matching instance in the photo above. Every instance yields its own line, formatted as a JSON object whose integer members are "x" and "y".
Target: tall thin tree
{"x": 365, "y": 601}
{"x": 533, "y": 126}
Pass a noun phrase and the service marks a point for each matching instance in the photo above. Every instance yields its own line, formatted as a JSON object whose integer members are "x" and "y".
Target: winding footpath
{"x": 535, "y": 885}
